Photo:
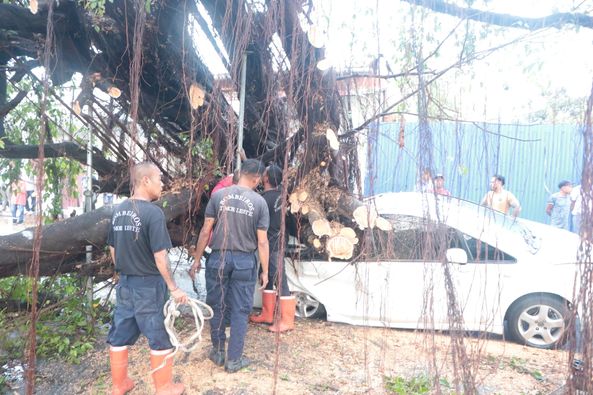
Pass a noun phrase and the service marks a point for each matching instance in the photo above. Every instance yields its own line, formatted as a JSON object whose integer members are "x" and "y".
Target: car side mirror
{"x": 456, "y": 255}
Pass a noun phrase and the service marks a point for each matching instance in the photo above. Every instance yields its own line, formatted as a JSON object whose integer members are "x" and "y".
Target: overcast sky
{"x": 503, "y": 86}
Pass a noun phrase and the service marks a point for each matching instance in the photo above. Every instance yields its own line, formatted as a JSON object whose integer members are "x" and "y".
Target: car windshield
{"x": 417, "y": 239}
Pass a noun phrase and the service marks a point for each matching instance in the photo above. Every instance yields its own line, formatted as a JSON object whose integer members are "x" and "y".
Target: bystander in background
{"x": 499, "y": 198}
{"x": 576, "y": 208}
{"x": 558, "y": 207}
{"x": 18, "y": 201}
{"x": 439, "y": 185}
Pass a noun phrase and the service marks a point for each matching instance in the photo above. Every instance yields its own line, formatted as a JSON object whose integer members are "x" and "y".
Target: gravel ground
{"x": 327, "y": 358}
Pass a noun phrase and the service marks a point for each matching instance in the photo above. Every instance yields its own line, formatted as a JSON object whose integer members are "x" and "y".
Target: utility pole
{"x": 88, "y": 207}
{"x": 241, "y": 110}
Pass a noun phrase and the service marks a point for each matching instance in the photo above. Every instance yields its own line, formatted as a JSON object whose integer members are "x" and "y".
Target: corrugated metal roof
{"x": 533, "y": 159}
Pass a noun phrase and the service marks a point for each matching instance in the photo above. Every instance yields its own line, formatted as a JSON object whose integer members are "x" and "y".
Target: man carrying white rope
{"x": 138, "y": 240}
{"x": 240, "y": 220}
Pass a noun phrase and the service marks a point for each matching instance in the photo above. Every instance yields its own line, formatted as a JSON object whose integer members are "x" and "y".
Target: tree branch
{"x": 68, "y": 149}
{"x": 5, "y": 109}
{"x": 388, "y": 110}
{"x": 384, "y": 76}
{"x": 22, "y": 69}
{"x": 506, "y": 20}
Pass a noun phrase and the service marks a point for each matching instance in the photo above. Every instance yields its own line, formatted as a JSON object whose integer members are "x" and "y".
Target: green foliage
{"x": 59, "y": 172}
{"x": 96, "y": 7}
{"x": 536, "y": 374}
{"x": 23, "y": 126}
{"x": 66, "y": 329}
{"x": 15, "y": 288}
{"x": 562, "y": 108}
{"x": 518, "y": 364}
{"x": 416, "y": 385}
{"x": 204, "y": 149}
{"x": 10, "y": 169}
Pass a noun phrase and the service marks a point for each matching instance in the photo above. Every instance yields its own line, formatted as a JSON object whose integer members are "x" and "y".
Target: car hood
{"x": 558, "y": 246}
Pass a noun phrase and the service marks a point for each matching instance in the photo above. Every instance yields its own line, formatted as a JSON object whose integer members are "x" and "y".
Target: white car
{"x": 489, "y": 270}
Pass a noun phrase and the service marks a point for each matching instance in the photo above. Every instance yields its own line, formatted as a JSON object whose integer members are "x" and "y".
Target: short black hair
{"x": 274, "y": 175}
{"x": 564, "y": 183}
{"x": 139, "y": 171}
{"x": 499, "y": 178}
{"x": 252, "y": 167}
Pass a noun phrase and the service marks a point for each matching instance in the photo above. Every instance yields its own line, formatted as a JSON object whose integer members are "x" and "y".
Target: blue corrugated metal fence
{"x": 533, "y": 159}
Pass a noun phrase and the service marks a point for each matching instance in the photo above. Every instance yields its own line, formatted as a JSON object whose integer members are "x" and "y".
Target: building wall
{"x": 533, "y": 159}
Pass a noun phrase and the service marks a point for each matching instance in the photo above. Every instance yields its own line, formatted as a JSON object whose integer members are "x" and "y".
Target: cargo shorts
{"x": 139, "y": 310}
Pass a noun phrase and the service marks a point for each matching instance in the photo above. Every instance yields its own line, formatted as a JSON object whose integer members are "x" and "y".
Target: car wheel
{"x": 308, "y": 307}
{"x": 539, "y": 321}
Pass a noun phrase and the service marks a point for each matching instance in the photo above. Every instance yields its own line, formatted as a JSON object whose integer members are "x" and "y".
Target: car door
{"x": 424, "y": 290}
{"x": 407, "y": 276}
{"x": 347, "y": 290}
{"x": 480, "y": 283}
{"x": 374, "y": 291}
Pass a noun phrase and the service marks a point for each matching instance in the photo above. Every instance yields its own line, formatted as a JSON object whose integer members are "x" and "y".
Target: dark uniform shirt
{"x": 239, "y": 213}
{"x": 138, "y": 230}
{"x": 273, "y": 198}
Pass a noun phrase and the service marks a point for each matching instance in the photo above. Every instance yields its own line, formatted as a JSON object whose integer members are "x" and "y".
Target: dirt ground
{"x": 325, "y": 358}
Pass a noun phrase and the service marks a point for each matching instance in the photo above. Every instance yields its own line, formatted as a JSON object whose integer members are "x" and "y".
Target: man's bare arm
{"x": 484, "y": 201}
{"x": 162, "y": 264}
{"x": 115, "y": 274}
{"x": 515, "y": 205}
{"x": 263, "y": 250}
{"x": 203, "y": 239}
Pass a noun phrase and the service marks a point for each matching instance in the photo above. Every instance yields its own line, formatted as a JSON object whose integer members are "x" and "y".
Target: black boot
{"x": 236, "y": 365}
{"x": 217, "y": 356}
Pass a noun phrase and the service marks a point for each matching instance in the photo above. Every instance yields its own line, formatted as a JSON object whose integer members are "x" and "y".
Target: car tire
{"x": 539, "y": 321}
{"x": 308, "y": 307}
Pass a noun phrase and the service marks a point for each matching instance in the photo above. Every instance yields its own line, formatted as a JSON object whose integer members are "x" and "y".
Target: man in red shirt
{"x": 19, "y": 200}
{"x": 227, "y": 181}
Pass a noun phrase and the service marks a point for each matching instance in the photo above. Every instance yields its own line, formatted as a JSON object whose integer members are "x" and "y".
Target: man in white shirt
{"x": 577, "y": 207}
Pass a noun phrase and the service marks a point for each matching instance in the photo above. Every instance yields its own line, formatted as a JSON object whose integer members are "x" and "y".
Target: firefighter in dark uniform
{"x": 238, "y": 218}
{"x": 138, "y": 241}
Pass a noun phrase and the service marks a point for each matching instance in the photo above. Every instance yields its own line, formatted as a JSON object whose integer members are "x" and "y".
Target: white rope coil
{"x": 171, "y": 313}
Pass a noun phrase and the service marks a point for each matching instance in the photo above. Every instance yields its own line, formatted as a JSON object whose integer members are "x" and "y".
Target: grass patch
{"x": 417, "y": 385}
{"x": 520, "y": 365}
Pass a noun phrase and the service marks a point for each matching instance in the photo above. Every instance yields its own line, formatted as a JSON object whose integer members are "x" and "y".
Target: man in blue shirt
{"x": 559, "y": 204}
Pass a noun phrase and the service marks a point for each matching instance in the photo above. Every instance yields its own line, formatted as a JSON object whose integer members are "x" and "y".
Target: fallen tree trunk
{"x": 185, "y": 118}
{"x": 63, "y": 244}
